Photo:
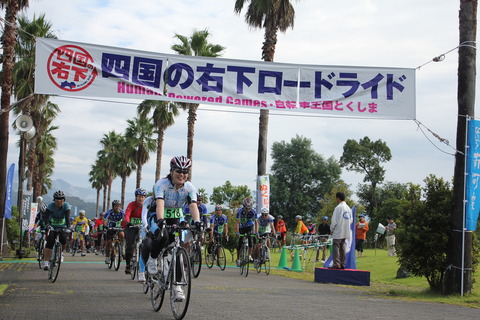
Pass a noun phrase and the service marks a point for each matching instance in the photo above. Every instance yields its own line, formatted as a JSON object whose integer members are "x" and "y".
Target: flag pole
{"x": 462, "y": 276}
{"x": 1, "y": 242}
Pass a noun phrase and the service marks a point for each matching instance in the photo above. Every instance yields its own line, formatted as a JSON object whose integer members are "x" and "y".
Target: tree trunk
{"x": 8, "y": 42}
{"x": 192, "y": 117}
{"x": 158, "y": 167}
{"x": 262, "y": 143}
{"x": 124, "y": 184}
{"x": 139, "y": 175}
{"x": 466, "y": 107}
{"x": 104, "y": 199}
{"x": 109, "y": 193}
{"x": 97, "y": 203}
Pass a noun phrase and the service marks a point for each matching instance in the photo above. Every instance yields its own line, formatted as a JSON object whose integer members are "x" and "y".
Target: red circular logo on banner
{"x": 71, "y": 68}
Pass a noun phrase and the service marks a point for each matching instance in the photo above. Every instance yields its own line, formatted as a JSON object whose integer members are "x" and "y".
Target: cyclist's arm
{"x": 256, "y": 226}
{"x": 160, "y": 208}
{"x": 237, "y": 227}
{"x": 225, "y": 229}
{"x": 273, "y": 227}
{"x": 194, "y": 211}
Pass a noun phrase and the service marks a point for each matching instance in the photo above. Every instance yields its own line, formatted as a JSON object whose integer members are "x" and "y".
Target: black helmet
{"x": 59, "y": 195}
{"x": 115, "y": 202}
{"x": 180, "y": 162}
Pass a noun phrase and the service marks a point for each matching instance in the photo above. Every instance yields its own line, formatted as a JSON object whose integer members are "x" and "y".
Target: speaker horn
{"x": 30, "y": 133}
{"x": 24, "y": 123}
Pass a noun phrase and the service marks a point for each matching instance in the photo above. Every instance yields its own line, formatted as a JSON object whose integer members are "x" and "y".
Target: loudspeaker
{"x": 30, "y": 133}
{"x": 24, "y": 123}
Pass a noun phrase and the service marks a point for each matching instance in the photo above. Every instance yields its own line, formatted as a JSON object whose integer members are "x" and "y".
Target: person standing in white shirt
{"x": 340, "y": 228}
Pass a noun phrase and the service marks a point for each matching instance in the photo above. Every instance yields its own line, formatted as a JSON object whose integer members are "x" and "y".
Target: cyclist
{"x": 148, "y": 207}
{"x": 324, "y": 232}
{"x": 247, "y": 220}
{"x": 100, "y": 224}
{"x": 301, "y": 229}
{"x": 311, "y": 229}
{"x": 202, "y": 211}
{"x": 265, "y": 228}
{"x": 171, "y": 193}
{"x": 133, "y": 217}
{"x": 57, "y": 215}
{"x": 281, "y": 228}
{"x": 114, "y": 217}
{"x": 219, "y": 226}
{"x": 40, "y": 220}
{"x": 81, "y": 227}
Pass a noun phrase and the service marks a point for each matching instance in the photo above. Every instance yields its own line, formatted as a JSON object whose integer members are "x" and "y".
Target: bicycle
{"x": 168, "y": 277}
{"x": 244, "y": 255}
{"x": 263, "y": 256}
{"x": 135, "y": 262}
{"x": 217, "y": 253}
{"x": 196, "y": 253}
{"x": 75, "y": 244}
{"x": 115, "y": 250}
{"x": 41, "y": 248}
{"x": 56, "y": 258}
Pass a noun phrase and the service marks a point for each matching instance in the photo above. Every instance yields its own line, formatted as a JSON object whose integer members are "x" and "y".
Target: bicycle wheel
{"x": 55, "y": 261}
{"x": 40, "y": 257}
{"x": 244, "y": 260}
{"x": 134, "y": 264}
{"x": 157, "y": 292}
{"x": 74, "y": 248}
{"x": 209, "y": 257}
{"x": 221, "y": 258}
{"x": 196, "y": 259}
{"x": 180, "y": 279}
{"x": 117, "y": 252}
{"x": 146, "y": 284}
{"x": 266, "y": 259}
{"x": 112, "y": 257}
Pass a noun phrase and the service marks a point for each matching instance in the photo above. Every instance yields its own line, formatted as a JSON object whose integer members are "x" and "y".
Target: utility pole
{"x": 456, "y": 255}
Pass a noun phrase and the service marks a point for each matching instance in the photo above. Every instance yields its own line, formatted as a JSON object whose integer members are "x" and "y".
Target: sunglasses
{"x": 182, "y": 171}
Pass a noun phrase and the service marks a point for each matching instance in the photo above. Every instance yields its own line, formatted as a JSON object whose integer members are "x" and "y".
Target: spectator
{"x": 340, "y": 227}
{"x": 361, "y": 234}
{"x": 391, "y": 237}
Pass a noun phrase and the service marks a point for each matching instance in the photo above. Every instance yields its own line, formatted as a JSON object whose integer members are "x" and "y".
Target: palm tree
{"x": 45, "y": 161}
{"x": 139, "y": 134}
{"x": 195, "y": 45}
{"x": 164, "y": 114}
{"x": 274, "y": 16}
{"x": 125, "y": 163}
{"x": 107, "y": 160}
{"x": 12, "y": 7}
{"x": 96, "y": 179}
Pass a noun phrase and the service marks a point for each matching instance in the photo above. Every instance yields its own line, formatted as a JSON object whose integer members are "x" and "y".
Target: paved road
{"x": 86, "y": 289}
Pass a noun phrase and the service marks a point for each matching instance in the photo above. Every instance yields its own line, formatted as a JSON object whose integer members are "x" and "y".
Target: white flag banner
{"x": 80, "y": 69}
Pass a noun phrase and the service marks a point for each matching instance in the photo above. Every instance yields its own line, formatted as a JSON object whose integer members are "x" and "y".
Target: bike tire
{"x": 118, "y": 257}
{"x": 179, "y": 308}
{"x": 244, "y": 260}
{"x": 267, "y": 266}
{"x": 196, "y": 260}
{"x": 157, "y": 294}
{"x": 221, "y": 257}
{"x": 146, "y": 283}
{"x": 74, "y": 248}
{"x": 57, "y": 260}
{"x": 209, "y": 257}
{"x": 134, "y": 264}
{"x": 112, "y": 258}
{"x": 40, "y": 258}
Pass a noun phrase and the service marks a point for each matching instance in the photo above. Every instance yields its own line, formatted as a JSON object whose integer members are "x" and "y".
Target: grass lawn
{"x": 383, "y": 270}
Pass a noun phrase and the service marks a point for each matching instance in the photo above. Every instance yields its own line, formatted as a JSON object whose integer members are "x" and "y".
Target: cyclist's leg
{"x": 48, "y": 248}
{"x": 130, "y": 234}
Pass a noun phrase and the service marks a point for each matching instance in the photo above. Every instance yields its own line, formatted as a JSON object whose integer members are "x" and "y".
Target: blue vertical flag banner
{"x": 350, "y": 262}
{"x": 8, "y": 195}
{"x": 472, "y": 181}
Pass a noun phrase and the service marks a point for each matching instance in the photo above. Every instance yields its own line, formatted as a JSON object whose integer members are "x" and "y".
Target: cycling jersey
{"x": 114, "y": 219}
{"x": 133, "y": 214}
{"x": 246, "y": 219}
{"x": 264, "y": 224}
{"x": 58, "y": 217}
{"x": 175, "y": 198}
{"x": 301, "y": 228}
{"x": 99, "y": 224}
{"x": 218, "y": 223}
{"x": 202, "y": 211}
{"x": 80, "y": 224}
{"x": 281, "y": 227}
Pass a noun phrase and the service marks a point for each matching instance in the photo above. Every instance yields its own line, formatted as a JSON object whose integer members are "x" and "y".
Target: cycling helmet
{"x": 39, "y": 199}
{"x": 59, "y": 195}
{"x": 308, "y": 220}
{"x": 218, "y": 207}
{"x": 264, "y": 211}
{"x": 180, "y": 162}
{"x": 299, "y": 217}
{"x": 72, "y": 218}
{"x": 280, "y": 217}
{"x": 247, "y": 203}
{"x": 81, "y": 212}
{"x": 140, "y": 192}
{"x": 199, "y": 197}
{"x": 115, "y": 202}
{"x": 325, "y": 218}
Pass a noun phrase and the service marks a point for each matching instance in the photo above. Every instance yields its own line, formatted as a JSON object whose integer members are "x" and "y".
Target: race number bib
{"x": 79, "y": 228}
{"x": 57, "y": 221}
{"x": 220, "y": 229}
{"x": 172, "y": 213}
{"x": 136, "y": 221}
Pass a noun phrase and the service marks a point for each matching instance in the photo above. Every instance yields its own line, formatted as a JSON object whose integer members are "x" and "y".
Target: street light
{"x": 27, "y": 131}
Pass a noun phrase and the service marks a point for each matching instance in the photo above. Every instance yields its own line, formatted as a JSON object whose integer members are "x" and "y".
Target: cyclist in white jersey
{"x": 171, "y": 193}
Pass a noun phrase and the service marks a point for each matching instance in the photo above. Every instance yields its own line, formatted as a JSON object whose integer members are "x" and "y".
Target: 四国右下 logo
{"x": 71, "y": 68}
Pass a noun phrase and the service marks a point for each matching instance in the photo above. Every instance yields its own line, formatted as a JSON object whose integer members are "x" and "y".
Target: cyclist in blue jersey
{"x": 246, "y": 224}
{"x": 171, "y": 193}
{"x": 114, "y": 217}
{"x": 218, "y": 225}
{"x": 202, "y": 211}
{"x": 57, "y": 215}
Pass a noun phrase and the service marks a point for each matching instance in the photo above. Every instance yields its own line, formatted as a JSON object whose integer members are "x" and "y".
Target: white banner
{"x": 80, "y": 69}
{"x": 263, "y": 193}
{"x": 33, "y": 215}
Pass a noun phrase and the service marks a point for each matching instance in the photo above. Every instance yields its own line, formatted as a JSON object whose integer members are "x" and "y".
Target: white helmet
{"x": 264, "y": 211}
{"x": 299, "y": 217}
{"x": 39, "y": 199}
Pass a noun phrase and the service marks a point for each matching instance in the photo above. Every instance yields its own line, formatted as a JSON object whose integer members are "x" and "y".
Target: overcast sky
{"x": 397, "y": 33}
